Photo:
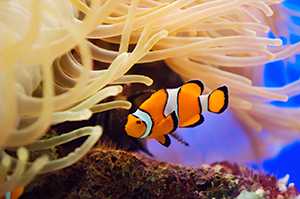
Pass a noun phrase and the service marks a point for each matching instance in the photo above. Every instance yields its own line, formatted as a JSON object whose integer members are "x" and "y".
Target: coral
{"x": 110, "y": 173}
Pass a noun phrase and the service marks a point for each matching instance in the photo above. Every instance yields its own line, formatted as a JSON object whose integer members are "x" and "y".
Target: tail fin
{"x": 218, "y": 100}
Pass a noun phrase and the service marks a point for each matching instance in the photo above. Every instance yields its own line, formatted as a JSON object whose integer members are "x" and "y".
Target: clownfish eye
{"x": 138, "y": 122}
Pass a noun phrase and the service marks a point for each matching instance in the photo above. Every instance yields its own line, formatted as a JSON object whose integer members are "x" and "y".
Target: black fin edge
{"x": 175, "y": 121}
{"x": 168, "y": 141}
{"x": 200, "y": 121}
{"x": 224, "y": 89}
{"x": 198, "y": 82}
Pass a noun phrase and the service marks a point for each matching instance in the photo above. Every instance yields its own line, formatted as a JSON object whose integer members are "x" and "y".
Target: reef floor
{"x": 110, "y": 173}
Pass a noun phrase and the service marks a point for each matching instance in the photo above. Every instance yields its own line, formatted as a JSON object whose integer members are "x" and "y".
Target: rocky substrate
{"x": 110, "y": 173}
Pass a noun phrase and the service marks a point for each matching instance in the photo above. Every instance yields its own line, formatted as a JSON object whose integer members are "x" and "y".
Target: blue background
{"x": 278, "y": 74}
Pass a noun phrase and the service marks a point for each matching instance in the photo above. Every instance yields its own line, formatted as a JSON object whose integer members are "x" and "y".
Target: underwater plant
{"x": 49, "y": 51}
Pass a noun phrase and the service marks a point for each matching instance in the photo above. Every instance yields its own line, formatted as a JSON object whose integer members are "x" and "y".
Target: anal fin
{"x": 164, "y": 140}
{"x": 194, "y": 121}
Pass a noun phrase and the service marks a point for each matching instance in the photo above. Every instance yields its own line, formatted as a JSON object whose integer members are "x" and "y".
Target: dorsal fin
{"x": 194, "y": 85}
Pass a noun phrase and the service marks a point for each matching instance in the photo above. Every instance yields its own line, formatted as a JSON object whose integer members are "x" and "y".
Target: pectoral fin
{"x": 194, "y": 121}
{"x": 168, "y": 125}
{"x": 164, "y": 140}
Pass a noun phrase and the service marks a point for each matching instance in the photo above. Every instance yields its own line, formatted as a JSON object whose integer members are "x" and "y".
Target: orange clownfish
{"x": 13, "y": 195}
{"x": 167, "y": 109}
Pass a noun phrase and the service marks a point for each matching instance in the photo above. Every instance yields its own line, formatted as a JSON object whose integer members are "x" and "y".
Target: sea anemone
{"x": 47, "y": 49}
{"x": 36, "y": 40}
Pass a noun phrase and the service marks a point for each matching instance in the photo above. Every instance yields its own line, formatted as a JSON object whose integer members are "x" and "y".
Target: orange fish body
{"x": 15, "y": 194}
{"x": 168, "y": 109}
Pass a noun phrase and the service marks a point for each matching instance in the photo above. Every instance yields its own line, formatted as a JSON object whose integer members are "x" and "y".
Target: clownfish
{"x": 14, "y": 194}
{"x": 166, "y": 109}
